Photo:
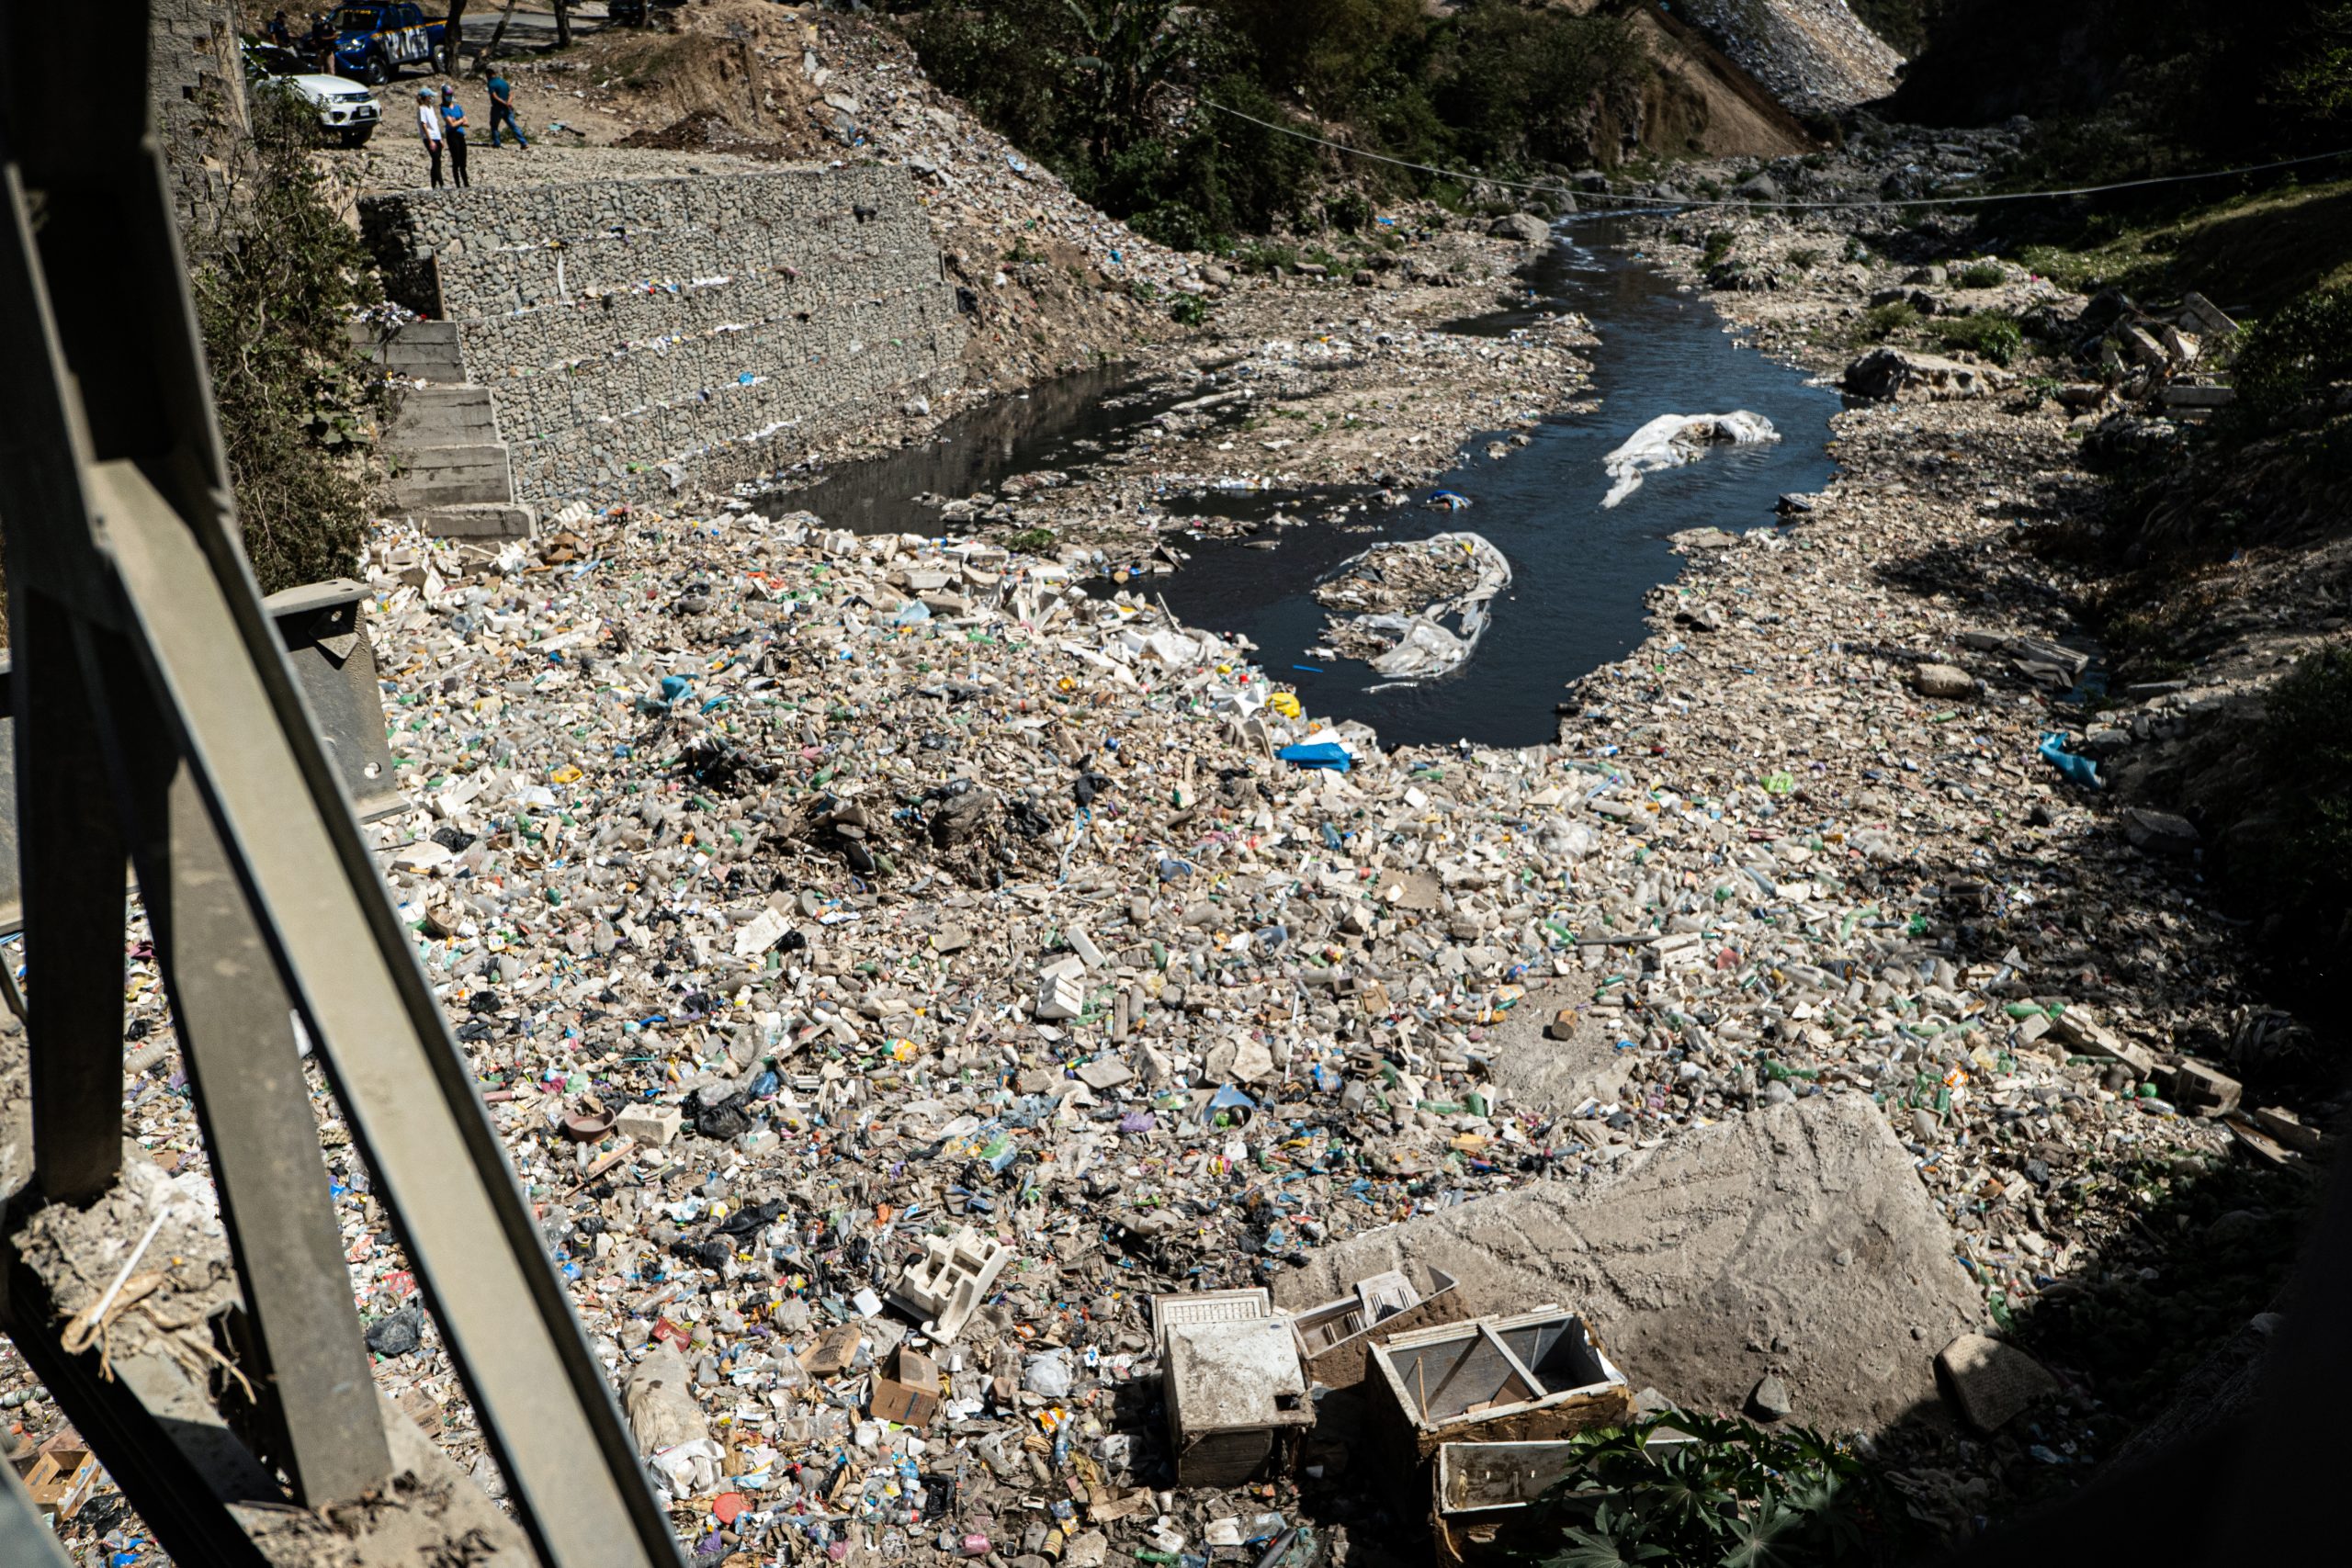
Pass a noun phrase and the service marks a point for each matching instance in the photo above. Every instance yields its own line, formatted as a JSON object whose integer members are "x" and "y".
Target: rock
{"x": 398, "y": 1333}
{"x": 1682, "y": 1253}
{"x": 1757, "y": 187}
{"x": 1894, "y": 373}
{"x": 1990, "y": 1382}
{"x": 1769, "y": 1400}
{"x": 2161, "y": 833}
{"x": 1524, "y": 227}
{"x": 1943, "y": 680}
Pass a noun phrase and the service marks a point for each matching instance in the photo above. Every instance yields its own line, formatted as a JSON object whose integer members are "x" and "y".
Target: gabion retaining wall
{"x": 636, "y": 335}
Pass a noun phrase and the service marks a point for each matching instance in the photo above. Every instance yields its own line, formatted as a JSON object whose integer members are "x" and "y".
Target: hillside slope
{"x": 1814, "y": 56}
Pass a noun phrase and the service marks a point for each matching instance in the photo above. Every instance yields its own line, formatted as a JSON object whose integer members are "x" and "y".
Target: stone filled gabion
{"x": 636, "y": 334}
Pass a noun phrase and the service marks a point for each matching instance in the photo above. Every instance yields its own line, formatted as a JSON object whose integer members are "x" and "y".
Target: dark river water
{"x": 1581, "y": 572}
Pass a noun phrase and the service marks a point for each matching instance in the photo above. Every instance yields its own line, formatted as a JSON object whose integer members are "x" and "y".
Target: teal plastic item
{"x": 1320, "y": 755}
{"x": 2078, "y": 770}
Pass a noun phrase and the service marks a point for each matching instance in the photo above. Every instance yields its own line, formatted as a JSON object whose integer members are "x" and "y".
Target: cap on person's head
{"x": 425, "y": 92}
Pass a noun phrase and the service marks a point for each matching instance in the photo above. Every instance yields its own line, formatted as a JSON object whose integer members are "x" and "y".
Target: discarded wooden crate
{"x": 60, "y": 1476}
{"x": 942, "y": 1289}
{"x": 1494, "y": 1380}
{"x": 1480, "y": 1491}
{"x": 1232, "y": 1383}
{"x": 1335, "y": 1339}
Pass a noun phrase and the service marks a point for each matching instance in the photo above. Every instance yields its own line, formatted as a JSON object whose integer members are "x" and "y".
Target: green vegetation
{"x": 1883, "y": 322}
{"x": 1189, "y": 311}
{"x": 1987, "y": 335}
{"x": 2249, "y": 252}
{"x": 1718, "y": 247}
{"x": 1112, "y": 95}
{"x": 2296, "y": 354}
{"x": 1982, "y": 274}
{"x": 1739, "y": 1494}
{"x": 276, "y": 276}
{"x": 1804, "y": 259}
{"x": 1031, "y": 541}
{"x": 2306, "y": 753}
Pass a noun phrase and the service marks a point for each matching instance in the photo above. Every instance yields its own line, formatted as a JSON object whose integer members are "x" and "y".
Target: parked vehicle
{"x": 375, "y": 43}
{"x": 347, "y": 111}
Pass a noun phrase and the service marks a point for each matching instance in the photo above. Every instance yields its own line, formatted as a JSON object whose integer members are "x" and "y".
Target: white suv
{"x": 346, "y": 110}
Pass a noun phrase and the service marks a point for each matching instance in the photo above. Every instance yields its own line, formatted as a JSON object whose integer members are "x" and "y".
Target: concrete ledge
{"x": 487, "y": 520}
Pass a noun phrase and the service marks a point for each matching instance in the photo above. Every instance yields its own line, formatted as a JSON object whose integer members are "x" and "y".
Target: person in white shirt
{"x": 428, "y": 127}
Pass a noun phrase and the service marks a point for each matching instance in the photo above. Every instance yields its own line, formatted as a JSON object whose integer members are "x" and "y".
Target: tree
{"x": 1125, "y": 49}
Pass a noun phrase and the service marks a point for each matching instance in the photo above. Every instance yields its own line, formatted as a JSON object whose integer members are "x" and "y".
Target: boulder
{"x": 1757, "y": 187}
{"x": 1886, "y": 373}
{"x": 1943, "y": 680}
{"x": 1801, "y": 1221}
{"x": 1524, "y": 227}
{"x": 2160, "y": 833}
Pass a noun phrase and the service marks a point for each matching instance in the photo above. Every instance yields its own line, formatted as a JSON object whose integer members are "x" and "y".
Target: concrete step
{"x": 444, "y": 416}
{"x": 488, "y": 520}
{"x": 451, "y": 476}
{"x": 426, "y": 350}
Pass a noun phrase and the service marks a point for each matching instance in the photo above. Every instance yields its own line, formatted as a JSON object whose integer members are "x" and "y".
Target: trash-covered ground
{"x": 805, "y": 901}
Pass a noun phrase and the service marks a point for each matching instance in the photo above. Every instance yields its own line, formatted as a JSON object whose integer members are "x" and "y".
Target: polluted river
{"x": 1581, "y": 506}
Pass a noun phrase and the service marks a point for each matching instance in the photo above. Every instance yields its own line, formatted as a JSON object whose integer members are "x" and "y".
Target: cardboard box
{"x": 908, "y": 1393}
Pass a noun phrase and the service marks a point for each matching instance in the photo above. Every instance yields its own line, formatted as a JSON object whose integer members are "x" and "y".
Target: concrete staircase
{"x": 450, "y": 468}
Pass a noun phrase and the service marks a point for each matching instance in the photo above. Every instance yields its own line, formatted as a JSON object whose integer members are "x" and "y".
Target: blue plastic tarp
{"x": 1321, "y": 754}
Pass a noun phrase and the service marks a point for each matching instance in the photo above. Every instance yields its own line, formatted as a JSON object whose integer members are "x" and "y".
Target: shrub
{"x": 1031, "y": 541}
{"x": 277, "y": 277}
{"x": 2295, "y": 353}
{"x": 2306, "y": 754}
{"x": 1989, "y": 334}
{"x": 1736, "y": 1495}
{"x": 1719, "y": 243}
{"x": 1883, "y": 322}
{"x": 1804, "y": 259}
{"x": 1982, "y": 274}
{"x": 1189, "y": 311}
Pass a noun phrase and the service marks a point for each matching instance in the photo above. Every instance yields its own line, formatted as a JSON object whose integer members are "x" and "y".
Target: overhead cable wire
{"x": 1666, "y": 201}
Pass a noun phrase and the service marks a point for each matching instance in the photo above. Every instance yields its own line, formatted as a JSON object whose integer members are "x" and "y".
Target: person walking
{"x": 428, "y": 129}
{"x": 501, "y": 111}
{"x": 453, "y": 130}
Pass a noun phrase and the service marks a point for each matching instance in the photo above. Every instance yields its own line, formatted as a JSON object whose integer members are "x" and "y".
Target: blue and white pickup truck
{"x": 373, "y": 42}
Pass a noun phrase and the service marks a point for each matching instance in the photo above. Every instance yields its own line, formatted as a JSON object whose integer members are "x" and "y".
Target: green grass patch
{"x": 1883, "y": 322}
{"x": 1987, "y": 335}
{"x": 2250, "y": 254}
{"x": 1982, "y": 274}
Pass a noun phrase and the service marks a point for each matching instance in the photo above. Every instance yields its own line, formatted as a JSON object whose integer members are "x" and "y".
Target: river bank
{"x": 890, "y": 885}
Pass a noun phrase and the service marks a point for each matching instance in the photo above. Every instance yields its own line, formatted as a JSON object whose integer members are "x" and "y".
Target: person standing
{"x": 453, "y": 130}
{"x": 428, "y": 129}
{"x": 501, "y": 111}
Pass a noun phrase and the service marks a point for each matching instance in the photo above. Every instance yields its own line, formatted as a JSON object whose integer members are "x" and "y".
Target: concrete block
{"x": 653, "y": 1124}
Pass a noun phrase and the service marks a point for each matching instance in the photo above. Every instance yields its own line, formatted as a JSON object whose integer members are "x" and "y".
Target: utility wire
{"x": 1665, "y": 202}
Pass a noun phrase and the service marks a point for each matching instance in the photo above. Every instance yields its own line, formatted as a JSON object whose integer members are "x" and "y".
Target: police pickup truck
{"x": 373, "y": 42}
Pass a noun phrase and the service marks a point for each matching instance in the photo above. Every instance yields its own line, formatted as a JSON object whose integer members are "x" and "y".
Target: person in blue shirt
{"x": 501, "y": 111}
{"x": 453, "y": 130}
